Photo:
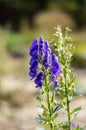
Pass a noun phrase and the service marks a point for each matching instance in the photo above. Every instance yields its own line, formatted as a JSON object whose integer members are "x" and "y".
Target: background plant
{"x": 64, "y": 49}
{"x": 44, "y": 67}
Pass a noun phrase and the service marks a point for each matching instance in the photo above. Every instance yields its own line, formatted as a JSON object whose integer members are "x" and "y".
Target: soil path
{"x": 22, "y": 118}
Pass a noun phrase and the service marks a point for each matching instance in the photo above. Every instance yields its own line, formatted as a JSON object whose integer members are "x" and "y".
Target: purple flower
{"x": 53, "y": 77}
{"x": 56, "y": 84}
{"x": 47, "y": 57}
{"x": 32, "y": 60}
{"x": 47, "y": 47}
{"x": 43, "y": 59}
{"x": 34, "y": 65}
{"x": 41, "y": 46}
{"x": 39, "y": 80}
{"x": 34, "y": 48}
{"x": 55, "y": 70}
{"x": 33, "y": 68}
{"x": 73, "y": 125}
{"x": 32, "y": 74}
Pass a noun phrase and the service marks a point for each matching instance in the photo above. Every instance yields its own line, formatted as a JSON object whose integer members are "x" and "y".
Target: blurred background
{"x": 20, "y": 22}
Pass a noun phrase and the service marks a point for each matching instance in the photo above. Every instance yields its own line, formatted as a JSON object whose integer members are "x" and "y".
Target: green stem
{"x": 48, "y": 103}
{"x": 68, "y": 113}
{"x": 50, "y": 113}
{"x": 67, "y": 101}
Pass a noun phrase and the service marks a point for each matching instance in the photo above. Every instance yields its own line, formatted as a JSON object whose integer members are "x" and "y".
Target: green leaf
{"x": 78, "y": 128}
{"x": 54, "y": 116}
{"x": 82, "y": 128}
{"x": 42, "y": 106}
{"x": 42, "y": 119}
{"x": 60, "y": 89}
{"x": 75, "y": 112}
{"x": 40, "y": 96}
{"x": 57, "y": 107}
{"x": 47, "y": 89}
{"x": 76, "y": 109}
{"x": 64, "y": 125}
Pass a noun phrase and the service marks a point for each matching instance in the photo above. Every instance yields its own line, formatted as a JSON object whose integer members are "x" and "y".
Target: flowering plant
{"x": 53, "y": 75}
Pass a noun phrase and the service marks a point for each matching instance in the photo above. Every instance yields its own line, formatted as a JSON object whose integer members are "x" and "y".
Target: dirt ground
{"x": 23, "y": 118}
{"x": 14, "y": 117}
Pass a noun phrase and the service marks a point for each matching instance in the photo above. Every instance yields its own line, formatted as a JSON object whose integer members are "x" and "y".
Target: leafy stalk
{"x": 67, "y": 101}
{"x": 47, "y": 95}
{"x": 48, "y": 103}
{"x": 63, "y": 49}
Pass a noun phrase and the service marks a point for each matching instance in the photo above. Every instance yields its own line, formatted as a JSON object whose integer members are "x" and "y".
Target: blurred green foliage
{"x": 15, "y": 45}
{"x": 79, "y": 61}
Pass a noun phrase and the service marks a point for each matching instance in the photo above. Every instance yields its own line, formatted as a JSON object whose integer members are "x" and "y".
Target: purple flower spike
{"x": 34, "y": 66}
{"x": 47, "y": 57}
{"x": 46, "y": 61}
{"x": 33, "y": 69}
{"x": 32, "y": 60}
{"x": 32, "y": 74}
{"x": 43, "y": 59}
{"x": 55, "y": 69}
{"x": 47, "y": 47}
{"x": 34, "y": 48}
{"x": 41, "y": 46}
{"x": 39, "y": 80}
